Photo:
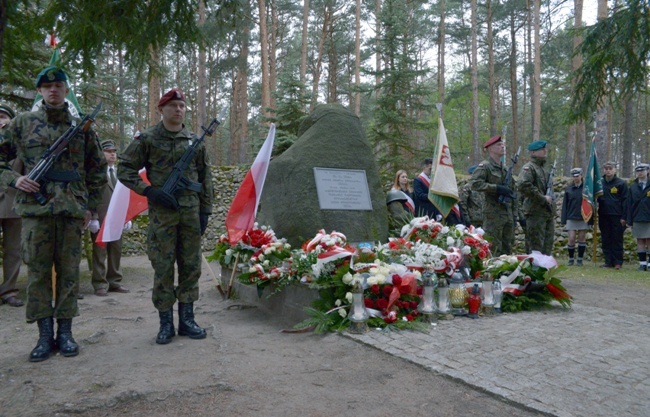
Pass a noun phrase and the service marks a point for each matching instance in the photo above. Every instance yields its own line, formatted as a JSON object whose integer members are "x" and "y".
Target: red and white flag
{"x": 125, "y": 204}
{"x": 241, "y": 216}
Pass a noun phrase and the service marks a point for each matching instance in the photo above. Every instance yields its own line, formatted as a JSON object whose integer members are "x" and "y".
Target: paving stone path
{"x": 586, "y": 361}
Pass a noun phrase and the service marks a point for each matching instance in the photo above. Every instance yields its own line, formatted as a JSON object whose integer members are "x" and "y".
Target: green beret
{"x": 50, "y": 75}
{"x": 537, "y": 145}
{"x": 6, "y": 109}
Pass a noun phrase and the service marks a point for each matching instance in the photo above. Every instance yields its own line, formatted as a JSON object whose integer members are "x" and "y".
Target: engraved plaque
{"x": 342, "y": 189}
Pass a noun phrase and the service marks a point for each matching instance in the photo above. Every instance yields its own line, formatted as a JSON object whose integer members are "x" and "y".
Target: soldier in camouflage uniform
{"x": 471, "y": 202}
{"x": 498, "y": 218}
{"x": 176, "y": 223}
{"x": 51, "y": 233}
{"x": 539, "y": 208}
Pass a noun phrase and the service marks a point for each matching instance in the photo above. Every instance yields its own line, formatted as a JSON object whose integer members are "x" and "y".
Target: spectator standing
{"x": 612, "y": 213}
{"x": 572, "y": 217}
{"x": 176, "y": 223}
{"x": 639, "y": 213}
{"x": 11, "y": 225}
{"x": 421, "y": 184}
{"x": 106, "y": 274}
{"x": 539, "y": 208}
{"x": 51, "y": 232}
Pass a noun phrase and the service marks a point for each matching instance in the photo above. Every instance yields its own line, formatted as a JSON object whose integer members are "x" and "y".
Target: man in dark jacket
{"x": 638, "y": 213}
{"x": 421, "y": 183}
{"x": 612, "y": 211}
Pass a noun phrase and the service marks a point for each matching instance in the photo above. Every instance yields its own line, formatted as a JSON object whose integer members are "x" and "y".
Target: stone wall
{"x": 228, "y": 178}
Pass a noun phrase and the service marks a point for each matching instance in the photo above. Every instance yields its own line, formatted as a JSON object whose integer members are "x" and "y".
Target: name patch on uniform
{"x": 647, "y": 194}
{"x": 614, "y": 190}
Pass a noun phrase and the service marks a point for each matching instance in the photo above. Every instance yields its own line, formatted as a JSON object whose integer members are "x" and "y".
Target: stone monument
{"x": 328, "y": 179}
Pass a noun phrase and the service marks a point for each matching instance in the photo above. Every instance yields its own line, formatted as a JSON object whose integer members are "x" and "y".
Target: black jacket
{"x": 638, "y": 203}
{"x": 572, "y": 204}
{"x": 613, "y": 202}
{"x": 423, "y": 206}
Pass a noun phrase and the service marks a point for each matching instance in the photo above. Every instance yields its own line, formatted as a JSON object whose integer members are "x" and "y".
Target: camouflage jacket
{"x": 27, "y": 138}
{"x": 486, "y": 177}
{"x": 533, "y": 181}
{"x": 158, "y": 150}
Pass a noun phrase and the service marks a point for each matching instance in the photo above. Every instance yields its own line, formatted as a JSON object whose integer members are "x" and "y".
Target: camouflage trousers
{"x": 174, "y": 237}
{"x": 48, "y": 241}
{"x": 540, "y": 232}
{"x": 500, "y": 229}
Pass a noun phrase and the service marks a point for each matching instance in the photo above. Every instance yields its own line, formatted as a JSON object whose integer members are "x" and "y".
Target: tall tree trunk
{"x": 513, "y": 81}
{"x": 120, "y": 86}
{"x": 304, "y": 44}
{"x": 491, "y": 77}
{"x": 327, "y": 16}
{"x": 580, "y": 159}
{"x": 377, "y": 47}
{"x": 3, "y": 23}
{"x": 628, "y": 137}
{"x": 537, "y": 70}
{"x": 602, "y": 124}
{"x": 475, "y": 148}
{"x": 154, "y": 87}
{"x": 273, "y": 42}
{"x": 202, "y": 79}
{"x": 332, "y": 67}
{"x": 357, "y": 59}
{"x": 239, "y": 108}
{"x": 441, "y": 59}
{"x": 264, "y": 48}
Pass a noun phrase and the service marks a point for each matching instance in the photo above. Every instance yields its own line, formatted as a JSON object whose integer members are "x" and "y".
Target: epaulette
{"x": 137, "y": 135}
{"x": 480, "y": 165}
{"x": 526, "y": 168}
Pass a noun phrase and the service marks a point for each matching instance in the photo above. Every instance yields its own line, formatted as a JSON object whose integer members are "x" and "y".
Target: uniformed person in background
{"x": 612, "y": 211}
{"x": 471, "y": 202}
{"x": 539, "y": 208}
{"x": 176, "y": 223}
{"x": 638, "y": 213}
{"x": 498, "y": 218}
{"x": 51, "y": 233}
{"x": 571, "y": 217}
{"x": 11, "y": 224}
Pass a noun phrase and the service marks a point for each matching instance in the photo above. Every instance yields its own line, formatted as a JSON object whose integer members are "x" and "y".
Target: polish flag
{"x": 125, "y": 204}
{"x": 241, "y": 216}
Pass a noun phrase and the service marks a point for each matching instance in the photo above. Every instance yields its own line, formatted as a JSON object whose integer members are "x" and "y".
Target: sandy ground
{"x": 245, "y": 367}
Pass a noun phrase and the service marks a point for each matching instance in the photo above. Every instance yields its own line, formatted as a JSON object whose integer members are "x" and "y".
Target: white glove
{"x": 127, "y": 226}
{"x": 93, "y": 226}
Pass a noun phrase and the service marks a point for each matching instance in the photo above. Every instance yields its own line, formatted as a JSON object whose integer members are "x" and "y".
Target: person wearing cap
{"x": 572, "y": 217}
{"x": 638, "y": 213}
{"x": 11, "y": 226}
{"x": 489, "y": 178}
{"x": 51, "y": 232}
{"x": 539, "y": 208}
{"x": 421, "y": 183}
{"x": 176, "y": 223}
{"x": 471, "y": 202}
{"x": 612, "y": 213}
{"x": 106, "y": 275}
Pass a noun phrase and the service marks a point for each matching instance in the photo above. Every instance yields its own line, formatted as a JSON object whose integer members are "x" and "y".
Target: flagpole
{"x": 595, "y": 242}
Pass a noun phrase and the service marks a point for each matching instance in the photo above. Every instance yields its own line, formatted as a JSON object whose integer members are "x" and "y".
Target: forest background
{"x": 530, "y": 69}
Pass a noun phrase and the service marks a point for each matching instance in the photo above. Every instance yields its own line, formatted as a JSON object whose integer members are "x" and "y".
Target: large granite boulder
{"x": 331, "y": 137}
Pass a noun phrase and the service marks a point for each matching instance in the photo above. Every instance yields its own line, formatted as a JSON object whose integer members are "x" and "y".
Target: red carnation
{"x": 369, "y": 303}
{"x": 413, "y": 305}
{"x": 418, "y": 290}
{"x": 410, "y": 317}
{"x": 397, "y": 280}
{"x": 374, "y": 289}
{"x": 381, "y": 303}
{"x": 387, "y": 290}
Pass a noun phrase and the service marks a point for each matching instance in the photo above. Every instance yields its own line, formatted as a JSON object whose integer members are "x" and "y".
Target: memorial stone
{"x": 328, "y": 179}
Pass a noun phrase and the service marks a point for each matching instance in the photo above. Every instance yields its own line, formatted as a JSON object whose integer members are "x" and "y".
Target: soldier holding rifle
{"x": 500, "y": 208}
{"x": 536, "y": 186}
{"x": 55, "y": 204}
{"x": 178, "y": 215}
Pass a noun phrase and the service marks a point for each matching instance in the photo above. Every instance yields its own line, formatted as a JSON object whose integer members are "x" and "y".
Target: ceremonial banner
{"x": 443, "y": 191}
{"x": 593, "y": 186}
{"x": 241, "y": 216}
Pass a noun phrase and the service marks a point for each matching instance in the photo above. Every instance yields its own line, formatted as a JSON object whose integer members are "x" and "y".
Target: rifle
{"x": 43, "y": 166}
{"x": 549, "y": 184}
{"x": 176, "y": 181}
{"x": 502, "y": 198}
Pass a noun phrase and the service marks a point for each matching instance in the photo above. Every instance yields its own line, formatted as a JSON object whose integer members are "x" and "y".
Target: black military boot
{"x": 166, "y": 331}
{"x": 186, "y": 324}
{"x": 46, "y": 344}
{"x": 67, "y": 346}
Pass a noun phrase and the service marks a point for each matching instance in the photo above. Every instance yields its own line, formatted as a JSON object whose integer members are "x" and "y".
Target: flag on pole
{"x": 593, "y": 186}
{"x": 55, "y": 60}
{"x": 125, "y": 204}
{"x": 443, "y": 191}
{"x": 241, "y": 216}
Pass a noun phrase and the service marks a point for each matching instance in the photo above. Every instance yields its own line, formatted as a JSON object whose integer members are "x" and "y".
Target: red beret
{"x": 492, "y": 141}
{"x": 173, "y": 94}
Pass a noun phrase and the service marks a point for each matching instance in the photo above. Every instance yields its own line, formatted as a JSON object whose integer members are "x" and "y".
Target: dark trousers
{"x": 611, "y": 233}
